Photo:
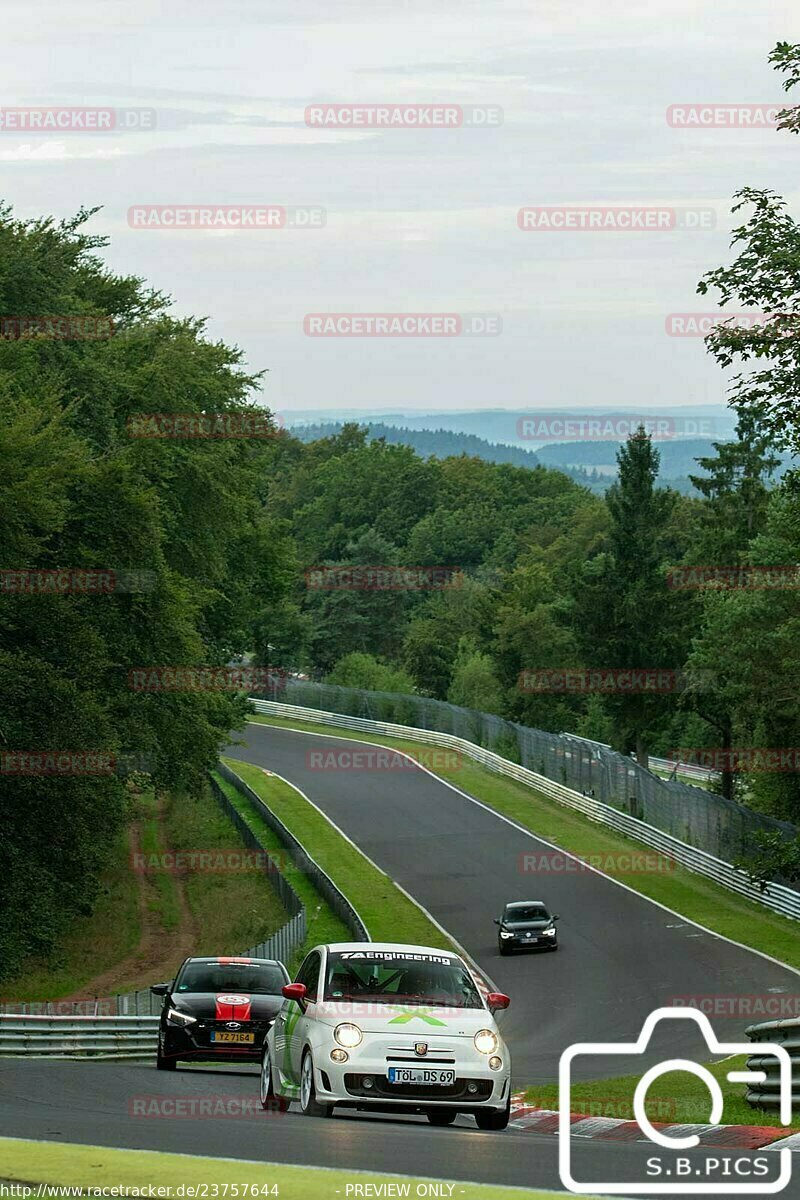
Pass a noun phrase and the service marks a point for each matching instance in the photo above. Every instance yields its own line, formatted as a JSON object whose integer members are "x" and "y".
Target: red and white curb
{"x": 526, "y": 1118}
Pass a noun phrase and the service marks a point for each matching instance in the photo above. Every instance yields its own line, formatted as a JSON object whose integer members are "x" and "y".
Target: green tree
{"x": 474, "y": 683}
{"x": 626, "y": 616}
{"x": 360, "y": 670}
{"x": 737, "y": 487}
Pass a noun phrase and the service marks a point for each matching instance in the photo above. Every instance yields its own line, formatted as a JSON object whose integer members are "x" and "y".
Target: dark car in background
{"x": 218, "y": 1009}
{"x": 527, "y": 925}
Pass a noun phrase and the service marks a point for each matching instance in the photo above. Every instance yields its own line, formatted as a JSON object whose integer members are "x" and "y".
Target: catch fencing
{"x": 775, "y": 896}
{"x": 693, "y": 815}
{"x": 784, "y": 1033}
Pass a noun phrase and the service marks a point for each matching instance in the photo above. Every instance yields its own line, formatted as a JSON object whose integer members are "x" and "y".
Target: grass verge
{"x": 163, "y": 902}
{"x": 388, "y": 913}
{"x": 232, "y": 909}
{"x": 323, "y": 924}
{"x": 676, "y": 1098}
{"x": 690, "y": 895}
{"x": 99, "y": 1167}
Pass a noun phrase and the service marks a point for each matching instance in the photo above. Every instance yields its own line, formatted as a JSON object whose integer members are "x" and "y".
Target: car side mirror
{"x": 556, "y": 917}
{"x": 496, "y": 921}
{"x": 295, "y": 991}
{"x": 497, "y": 1000}
{"x": 160, "y": 989}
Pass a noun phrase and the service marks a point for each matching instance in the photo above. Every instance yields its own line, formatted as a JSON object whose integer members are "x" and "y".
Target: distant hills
{"x": 590, "y": 463}
{"x": 513, "y": 426}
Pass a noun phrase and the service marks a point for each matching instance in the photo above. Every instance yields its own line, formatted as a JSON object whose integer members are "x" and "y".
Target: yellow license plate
{"x": 237, "y": 1038}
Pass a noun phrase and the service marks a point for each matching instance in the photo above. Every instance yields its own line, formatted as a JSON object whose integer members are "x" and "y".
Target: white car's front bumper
{"x": 476, "y": 1085}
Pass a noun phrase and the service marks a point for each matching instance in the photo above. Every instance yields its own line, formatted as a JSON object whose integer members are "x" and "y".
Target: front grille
{"x": 418, "y": 1060}
{"x": 413, "y": 1091}
{"x": 203, "y": 1030}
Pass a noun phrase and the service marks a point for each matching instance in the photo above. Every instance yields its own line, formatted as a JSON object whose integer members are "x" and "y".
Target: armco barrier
{"x": 68, "y": 1036}
{"x": 302, "y": 859}
{"x": 784, "y": 1033}
{"x": 775, "y": 896}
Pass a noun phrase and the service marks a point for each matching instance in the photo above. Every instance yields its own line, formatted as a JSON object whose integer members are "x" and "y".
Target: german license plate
{"x": 427, "y": 1075}
{"x": 222, "y": 1035}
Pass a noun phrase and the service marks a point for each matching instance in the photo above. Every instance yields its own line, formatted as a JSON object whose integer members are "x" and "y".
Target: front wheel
{"x": 270, "y": 1100}
{"x": 309, "y": 1105}
{"x": 441, "y": 1116}
{"x": 503, "y": 948}
{"x": 494, "y": 1120}
{"x": 164, "y": 1062}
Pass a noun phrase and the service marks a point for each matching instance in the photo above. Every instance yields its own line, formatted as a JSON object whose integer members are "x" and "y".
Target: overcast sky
{"x": 421, "y": 221}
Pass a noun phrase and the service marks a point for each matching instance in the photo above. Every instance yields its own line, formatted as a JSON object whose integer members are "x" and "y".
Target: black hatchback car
{"x": 527, "y": 925}
{"x": 218, "y": 1009}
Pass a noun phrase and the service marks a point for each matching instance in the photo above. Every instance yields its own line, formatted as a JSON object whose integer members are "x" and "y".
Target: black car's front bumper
{"x": 195, "y": 1041}
{"x": 521, "y": 941}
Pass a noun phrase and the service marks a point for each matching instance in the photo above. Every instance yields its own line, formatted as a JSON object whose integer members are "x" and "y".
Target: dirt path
{"x": 159, "y": 951}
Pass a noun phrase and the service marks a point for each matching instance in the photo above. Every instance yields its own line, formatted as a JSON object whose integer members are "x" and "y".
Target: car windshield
{"x": 383, "y": 977}
{"x": 261, "y": 979}
{"x": 526, "y": 912}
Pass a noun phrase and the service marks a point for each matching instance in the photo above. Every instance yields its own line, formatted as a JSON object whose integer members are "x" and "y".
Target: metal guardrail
{"x": 774, "y": 896}
{"x": 688, "y": 770}
{"x": 302, "y": 859}
{"x": 68, "y": 1036}
{"x": 783, "y": 1033}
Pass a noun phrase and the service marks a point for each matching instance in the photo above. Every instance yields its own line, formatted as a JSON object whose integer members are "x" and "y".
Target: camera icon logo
{"x": 660, "y": 1137}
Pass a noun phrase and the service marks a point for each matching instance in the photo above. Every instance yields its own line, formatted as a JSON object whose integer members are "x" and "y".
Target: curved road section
{"x": 620, "y": 958}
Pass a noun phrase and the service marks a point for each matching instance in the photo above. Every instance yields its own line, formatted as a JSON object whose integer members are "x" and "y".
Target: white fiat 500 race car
{"x": 374, "y": 1025}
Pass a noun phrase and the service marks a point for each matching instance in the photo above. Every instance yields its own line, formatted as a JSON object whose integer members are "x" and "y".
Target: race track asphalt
{"x": 97, "y": 1103}
{"x": 620, "y": 956}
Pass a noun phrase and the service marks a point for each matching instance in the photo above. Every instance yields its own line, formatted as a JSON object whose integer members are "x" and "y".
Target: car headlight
{"x": 503, "y": 934}
{"x": 485, "y": 1041}
{"x": 550, "y": 932}
{"x": 180, "y": 1018}
{"x": 348, "y": 1035}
